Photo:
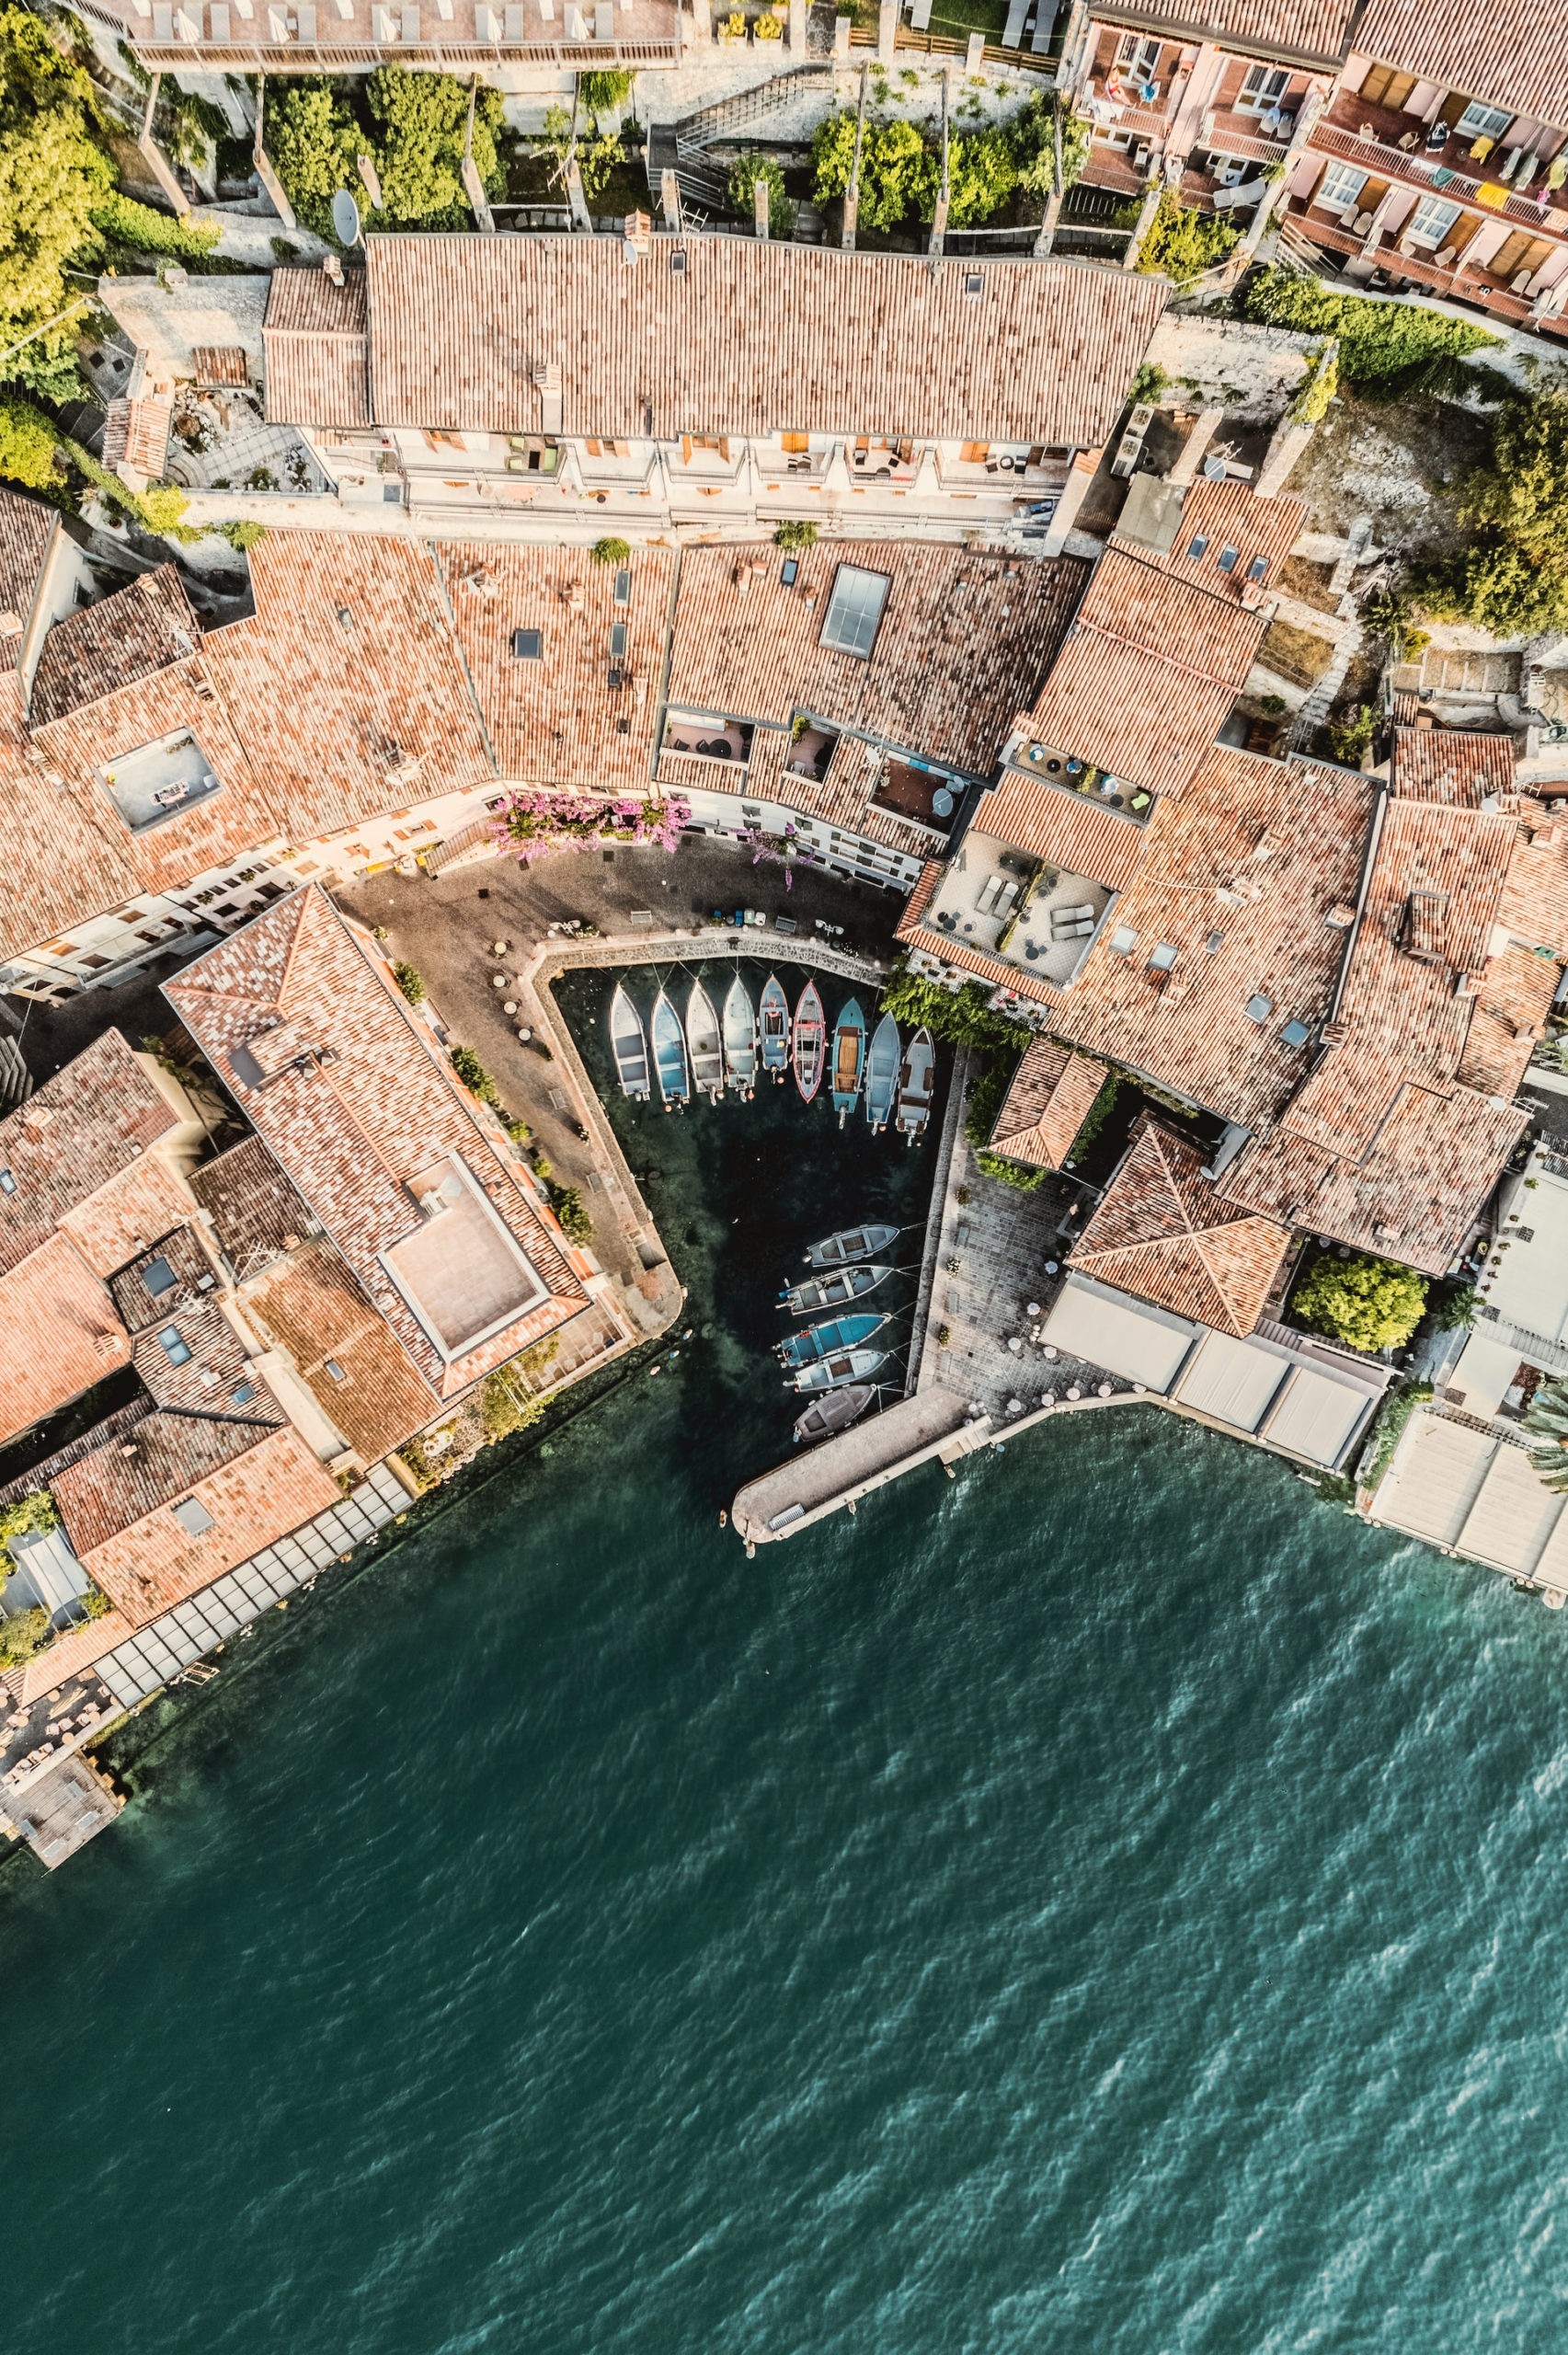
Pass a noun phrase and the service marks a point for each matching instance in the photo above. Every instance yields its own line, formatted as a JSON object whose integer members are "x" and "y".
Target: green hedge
{"x": 1377, "y": 339}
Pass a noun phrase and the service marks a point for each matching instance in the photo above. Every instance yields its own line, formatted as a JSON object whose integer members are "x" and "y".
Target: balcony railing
{"x": 1390, "y": 161}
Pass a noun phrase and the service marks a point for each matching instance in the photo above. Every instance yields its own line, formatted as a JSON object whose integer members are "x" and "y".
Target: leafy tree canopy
{"x": 413, "y": 131}
{"x": 744, "y": 174}
{"x": 52, "y": 177}
{"x": 1370, "y": 1304}
{"x": 960, "y": 1017}
{"x": 1377, "y": 339}
{"x": 1183, "y": 242}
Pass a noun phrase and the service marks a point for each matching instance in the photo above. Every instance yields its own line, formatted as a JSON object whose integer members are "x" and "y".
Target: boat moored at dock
{"x": 851, "y": 1243}
{"x": 774, "y": 1028}
{"x": 845, "y": 1366}
{"x": 832, "y": 1291}
{"x": 834, "y": 1411}
{"x": 849, "y": 1059}
{"x": 816, "y": 1341}
{"x": 808, "y": 1042}
{"x": 670, "y": 1053}
{"x": 702, "y": 1042}
{"x": 628, "y": 1044}
{"x": 739, "y": 1037}
{"x": 882, "y": 1073}
{"x": 915, "y": 1086}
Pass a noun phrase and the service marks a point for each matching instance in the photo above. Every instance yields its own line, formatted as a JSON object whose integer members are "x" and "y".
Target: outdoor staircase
{"x": 685, "y": 147}
{"x": 1316, "y": 708}
{"x": 15, "y": 1079}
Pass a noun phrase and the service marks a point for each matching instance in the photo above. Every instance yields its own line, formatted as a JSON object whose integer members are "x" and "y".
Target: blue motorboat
{"x": 816, "y": 1341}
{"x": 882, "y": 1067}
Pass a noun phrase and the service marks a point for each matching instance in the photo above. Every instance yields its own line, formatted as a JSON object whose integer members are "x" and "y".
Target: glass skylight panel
{"x": 193, "y": 1517}
{"x": 854, "y": 610}
{"x": 177, "y": 1350}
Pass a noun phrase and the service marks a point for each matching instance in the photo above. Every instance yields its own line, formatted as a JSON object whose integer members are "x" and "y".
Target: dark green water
{"x": 1108, "y": 1901}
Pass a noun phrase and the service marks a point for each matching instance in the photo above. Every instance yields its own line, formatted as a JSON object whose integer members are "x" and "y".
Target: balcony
{"x": 1041, "y": 920}
{"x": 1396, "y": 146}
{"x": 1065, "y": 773}
{"x": 340, "y": 36}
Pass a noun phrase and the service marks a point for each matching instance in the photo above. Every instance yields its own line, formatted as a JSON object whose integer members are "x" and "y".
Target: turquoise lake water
{"x": 1110, "y": 1900}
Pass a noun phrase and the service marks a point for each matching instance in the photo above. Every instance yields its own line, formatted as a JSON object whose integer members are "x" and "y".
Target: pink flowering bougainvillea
{"x": 537, "y": 826}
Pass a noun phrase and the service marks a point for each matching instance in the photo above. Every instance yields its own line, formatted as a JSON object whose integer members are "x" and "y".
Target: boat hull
{"x": 774, "y": 1033}
{"x": 882, "y": 1063}
{"x": 915, "y": 1085}
{"x": 669, "y": 1042}
{"x": 835, "y": 1291}
{"x": 824, "y": 1340}
{"x": 849, "y": 1060}
{"x": 628, "y": 1044}
{"x": 702, "y": 1042}
{"x": 851, "y": 1243}
{"x": 808, "y": 1042}
{"x": 835, "y": 1372}
{"x": 834, "y": 1411}
{"x": 739, "y": 1037}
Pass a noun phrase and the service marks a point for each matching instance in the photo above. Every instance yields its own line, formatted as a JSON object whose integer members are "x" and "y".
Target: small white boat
{"x": 851, "y": 1243}
{"x": 670, "y": 1053}
{"x": 834, "y": 1411}
{"x": 704, "y": 1043}
{"x": 739, "y": 1037}
{"x": 831, "y": 1292}
{"x": 809, "y": 1046}
{"x": 628, "y": 1044}
{"x": 847, "y": 1365}
{"x": 775, "y": 1028}
{"x": 915, "y": 1086}
{"x": 882, "y": 1073}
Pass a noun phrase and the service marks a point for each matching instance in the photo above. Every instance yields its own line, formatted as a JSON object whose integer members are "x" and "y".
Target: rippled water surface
{"x": 1110, "y": 1902}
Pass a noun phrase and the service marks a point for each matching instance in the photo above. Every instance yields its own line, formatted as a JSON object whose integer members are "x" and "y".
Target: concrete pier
{"x": 839, "y": 1472}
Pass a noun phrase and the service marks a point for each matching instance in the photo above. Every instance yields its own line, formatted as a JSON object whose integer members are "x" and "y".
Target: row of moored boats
{"x": 705, "y": 1054}
{"x": 836, "y": 1358}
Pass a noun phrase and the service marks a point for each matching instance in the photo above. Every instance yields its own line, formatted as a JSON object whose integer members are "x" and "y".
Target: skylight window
{"x": 854, "y": 610}
{"x": 193, "y": 1517}
{"x": 1295, "y": 1033}
{"x": 242, "y": 1394}
{"x": 159, "y": 1277}
{"x": 1258, "y": 569}
{"x": 7, "y": 1182}
{"x": 1227, "y": 559}
{"x": 1198, "y": 548}
{"x": 617, "y": 641}
{"x": 1259, "y": 1007}
{"x": 1162, "y": 957}
{"x": 334, "y": 1370}
{"x": 623, "y": 588}
{"x": 974, "y": 283}
{"x": 528, "y": 645}
{"x": 176, "y": 1348}
{"x": 1123, "y": 940}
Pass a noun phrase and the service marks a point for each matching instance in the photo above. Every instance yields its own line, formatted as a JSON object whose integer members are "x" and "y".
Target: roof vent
{"x": 678, "y": 263}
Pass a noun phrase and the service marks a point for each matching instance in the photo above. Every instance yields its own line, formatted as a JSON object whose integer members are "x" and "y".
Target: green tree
{"x": 1032, "y": 134}
{"x": 896, "y": 168}
{"x": 1546, "y": 1420}
{"x": 1500, "y": 587}
{"x": 22, "y": 1637}
{"x": 604, "y": 93}
{"x": 1370, "y": 1304}
{"x": 411, "y": 982}
{"x": 422, "y": 123}
{"x": 1377, "y": 339}
{"x": 794, "y": 532}
{"x": 596, "y": 158}
{"x": 744, "y": 174}
{"x": 612, "y": 551}
{"x": 51, "y": 176}
{"x": 1522, "y": 494}
{"x": 29, "y": 445}
{"x": 567, "y": 1205}
{"x": 314, "y": 142}
{"x": 982, "y": 174}
{"x": 1183, "y": 243}
{"x": 29, "y": 1514}
{"x": 960, "y": 1017}
{"x": 474, "y": 1075}
{"x": 120, "y": 221}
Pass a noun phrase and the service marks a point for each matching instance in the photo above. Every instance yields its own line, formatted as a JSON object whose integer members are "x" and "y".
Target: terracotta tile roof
{"x": 1047, "y": 1104}
{"x": 355, "y": 1106}
{"x": 59, "y": 1334}
{"x": 1254, "y": 947}
{"x": 85, "y": 1129}
{"x": 1450, "y": 765}
{"x": 124, "y": 638}
{"x": 751, "y": 339}
{"x": 1516, "y": 994}
{"x": 254, "y": 1482}
{"x": 1163, "y": 1231}
{"x": 1313, "y": 30}
{"x": 136, "y": 436}
{"x": 958, "y": 957}
{"x": 174, "y": 1273}
{"x": 961, "y": 633}
{"x": 27, "y": 530}
{"x": 258, "y": 1213}
{"x": 311, "y": 1305}
{"x": 77, "y": 1648}
{"x": 1149, "y": 671}
{"x": 212, "y": 1380}
{"x": 1535, "y": 897}
{"x": 329, "y": 710}
{"x": 217, "y": 366}
{"x": 1412, "y": 1195}
{"x": 1071, "y": 831}
{"x": 558, "y": 720}
{"x": 1512, "y": 53}
{"x": 317, "y": 349}
{"x": 1227, "y": 516}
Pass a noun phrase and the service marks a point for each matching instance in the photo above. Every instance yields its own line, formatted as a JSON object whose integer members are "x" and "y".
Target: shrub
{"x": 794, "y": 535}
{"x": 411, "y": 982}
{"x": 1032, "y": 135}
{"x": 896, "y": 168}
{"x": 1350, "y": 736}
{"x": 474, "y": 1075}
{"x": 576, "y": 1223}
{"x": 122, "y": 222}
{"x": 1310, "y": 404}
{"x": 1016, "y": 1174}
{"x": 243, "y": 534}
{"x": 23, "y": 1635}
{"x": 1149, "y": 381}
{"x": 596, "y": 158}
{"x": 604, "y": 92}
{"x": 611, "y": 551}
{"x": 1376, "y": 337}
{"x": 422, "y": 123}
{"x": 1370, "y": 1304}
{"x": 960, "y": 1017}
{"x": 745, "y": 175}
{"x": 30, "y": 1514}
{"x": 30, "y": 450}
{"x": 503, "y": 1408}
{"x": 1398, "y": 1405}
{"x": 1183, "y": 243}
{"x": 1501, "y": 588}
{"x": 982, "y": 174}
{"x": 314, "y": 142}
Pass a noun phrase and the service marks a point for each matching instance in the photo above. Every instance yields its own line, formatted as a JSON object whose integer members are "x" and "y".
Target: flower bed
{"x": 538, "y": 825}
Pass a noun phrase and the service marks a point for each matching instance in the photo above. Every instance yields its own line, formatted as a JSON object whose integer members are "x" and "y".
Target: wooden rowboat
{"x": 849, "y": 1060}
{"x": 816, "y": 1341}
{"x": 739, "y": 1037}
{"x": 915, "y": 1086}
{"x": 670, "y": 1053}
{"x": 628, "y": 1044}
{"x": 704, "y": 1043}
{"x": 882, "y": 1073}
{"x": 831, "y": 1292}
{"x": 848, "y": 1365}
{"x": 834, "y": 1412}
{"x": 808, "y": 1041}
{"x": 776, "y": 1028}
{"x": 851, "y": 1243}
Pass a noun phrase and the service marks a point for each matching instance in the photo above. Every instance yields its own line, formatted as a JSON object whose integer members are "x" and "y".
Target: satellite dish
{"x": 1214, "y": 469}
{"x": 942, "y": 802}
{"x": 345, "y": 218}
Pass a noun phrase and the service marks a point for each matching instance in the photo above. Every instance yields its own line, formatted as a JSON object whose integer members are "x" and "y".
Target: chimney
{"x": 332, "y": 270}
{"x": 1341, "y": 916}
